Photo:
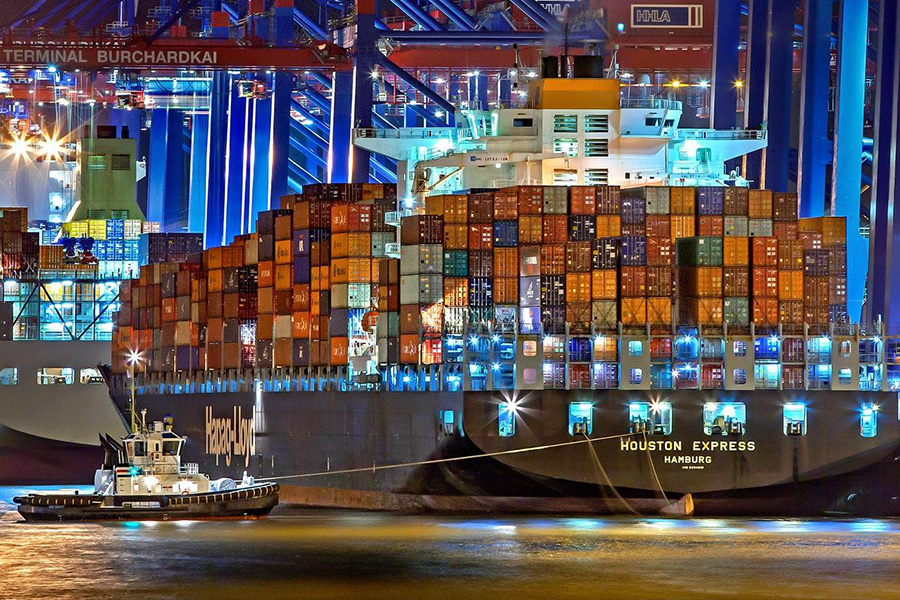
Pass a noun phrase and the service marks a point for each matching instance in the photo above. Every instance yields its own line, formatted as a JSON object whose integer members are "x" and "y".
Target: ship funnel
{"x": 587, "y": 67}
{"x": 549, "y": 67}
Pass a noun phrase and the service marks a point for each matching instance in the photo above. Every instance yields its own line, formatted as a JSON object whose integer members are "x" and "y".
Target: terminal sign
{"x": 667, "y": 15}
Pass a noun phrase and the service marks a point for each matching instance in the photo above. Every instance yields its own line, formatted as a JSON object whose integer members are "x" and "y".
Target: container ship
{"x": 599, "y": 348}
{"x": 63, "y": 253}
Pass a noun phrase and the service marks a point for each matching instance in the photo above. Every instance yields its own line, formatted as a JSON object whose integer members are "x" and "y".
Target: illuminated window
{"x": 845, "y": 376}
{"x": 596, "y": 176}
{"x": 635, "y": 376}
{"x": 868, "y": 420}
{"x": 9, "y": 376}
{"x": 96, "y": 162}
{"x": 565, "y": 176}
{"x": 794, "y": 419}
{"x": 596, "y": 148}
{"x": 845, "y": 349}
{"x": 724, "y": 418}
{"x": 567, "y": 146}
{"x": 565, "y": 123}
{"x": 507, "y": 420}
{"x": 581, "y": 418}
{"x": 767, "y": 376}
{"x": 596, "y": 123}
{"x": 635, "y": 348}
{"x": 739, "y": 376}
{"x": 653, "y": 417}
{"x": 56, "y": 376}
{"x": 529, "y": 375}
{"x": 529, "y": 348}
{"x": 739, "y": 348}
{"x": 90, "y": 376}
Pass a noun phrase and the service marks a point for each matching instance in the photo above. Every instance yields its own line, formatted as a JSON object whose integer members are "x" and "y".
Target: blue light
{"x": 496, "y": 366}
{"x": 473, "y": 340}
{"x": 134, "y": 471}
{"x": 495, "y": 338}
{"x": 620, "y": 27}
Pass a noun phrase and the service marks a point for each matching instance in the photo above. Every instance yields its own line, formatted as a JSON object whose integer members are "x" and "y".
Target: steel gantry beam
{"x": 848, "y": 142}
{"x": 883, "y": 281}
{"x": 723, "y": 101}
{"x": 755, "y": 82}
{"x": 814, "y": 150}
{"x": 779, "y": 61}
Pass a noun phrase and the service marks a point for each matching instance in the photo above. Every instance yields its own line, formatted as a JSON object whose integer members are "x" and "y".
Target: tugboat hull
{"x": 254, "y": 502}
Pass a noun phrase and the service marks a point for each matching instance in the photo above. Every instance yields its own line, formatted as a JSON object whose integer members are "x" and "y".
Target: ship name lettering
{"x": 229, "y": 437}
{"x": 687, "y": 459}
{"x": 724, "y": 446}
{"x": 652, "y": 445}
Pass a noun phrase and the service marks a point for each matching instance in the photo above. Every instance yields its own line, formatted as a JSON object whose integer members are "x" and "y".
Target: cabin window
{"x": 661, "y": 376}
{"x": 581, "y": 420}
{"x": 121, "y": 162}
{"x": 767, "y": 376}
{"x": 96, "y": 162}
{"x": 845, "y": 376}
{"x": 529, "y": 375}
{"x": 56, "y": 376}
{"x": 596, "y": 176}
{"x": 565, "y": 124}
{"x": 521, "y": 122}
{"x": 506, "y": 420}
{"x": 140, "y": 448}
{"x": 654, "y": 418}
{"x": 596, "y": 124}
{"x": 90, "y": 376}
{"x": 565, "y": 176}
{"x": 739, "y": 348}
{"x": 794, "y": 419}
{"x": 767, "y": 348}
{"x": 739, "y": 376}
{"x": 596, "y": 148}
{"x": 724, "y": 418}
{"x": 567, "y": 146}
{"x": 529, "y": 348}
{"x": 635, "y": 376}
{"x": 652, "y": 121}
{"x": 868, "y": 420}
{"x": 171, "y": 448}
{"x": 635, "y": 348}
{"x": 9, "y": 376}
{"x": 819, "y": 377}
{"x": 845, "y": 349}
{"x": 669, "y": 123}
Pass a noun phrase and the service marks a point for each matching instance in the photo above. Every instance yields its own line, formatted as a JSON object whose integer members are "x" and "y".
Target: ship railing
{"x": 414, "y": 133}
{"x": 650, "y": 103}
{"x": 727, "y": 134}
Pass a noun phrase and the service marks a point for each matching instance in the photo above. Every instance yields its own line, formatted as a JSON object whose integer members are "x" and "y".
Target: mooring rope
{"x": 653, "y": 469}
{"x": 609, "y": 482}
{"x": 435, "y": 461}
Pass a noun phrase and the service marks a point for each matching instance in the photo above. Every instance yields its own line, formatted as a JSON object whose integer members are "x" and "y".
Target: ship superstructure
{"x": 567, "y": 131}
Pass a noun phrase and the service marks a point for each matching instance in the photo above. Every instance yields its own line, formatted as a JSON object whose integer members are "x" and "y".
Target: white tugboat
{"x": 143, "y": 478}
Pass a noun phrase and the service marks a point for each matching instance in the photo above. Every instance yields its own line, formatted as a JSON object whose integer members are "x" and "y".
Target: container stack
{"x": 824, "y": 258}
{"x": 422, "y": 288}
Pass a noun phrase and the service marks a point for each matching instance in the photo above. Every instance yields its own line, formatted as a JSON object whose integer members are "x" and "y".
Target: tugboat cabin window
{"x": 90, "y": 377}
{"x": 172, "y": 448}
{"x": 135, "y": 449}
{"x": 506, "y": 420}
{"x": 868, "y": 420}
{"x": 9, "y": 376}
{"x": 581, "y": 420}
{"x": 795, "y": 419}
{"x": 724, "y": 418}
{"x": 654, "y": 418}
{"x": 56, "y": 376}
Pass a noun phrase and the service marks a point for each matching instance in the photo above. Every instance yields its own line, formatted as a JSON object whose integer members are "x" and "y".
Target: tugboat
{"x": 142, "y": 478}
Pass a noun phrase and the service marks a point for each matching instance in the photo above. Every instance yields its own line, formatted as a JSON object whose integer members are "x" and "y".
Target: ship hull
{"x": 312, "y": 439}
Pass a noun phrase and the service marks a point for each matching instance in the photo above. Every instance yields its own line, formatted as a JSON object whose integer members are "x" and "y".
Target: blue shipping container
{"x": 634, "y": 251}
{"x": 506, "y": 234}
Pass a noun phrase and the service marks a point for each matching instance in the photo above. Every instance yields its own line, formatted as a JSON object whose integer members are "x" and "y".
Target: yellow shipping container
{"x": 681, "y": 226}
{"x": 359, "y": 270}
{"x": 603, "y": 285}
{"x": 283, "y": 254}
{"x": 609, "y": 226}
{"x": 790, "y": 285}
{"x": 578, "y": 287}
{"x": 359, "y": 245}
{"x": 735, "y": 251}
{"x": 833, "y": 229}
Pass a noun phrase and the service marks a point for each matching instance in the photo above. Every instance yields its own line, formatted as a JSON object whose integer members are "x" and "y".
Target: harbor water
{"x": 332, "y": 554}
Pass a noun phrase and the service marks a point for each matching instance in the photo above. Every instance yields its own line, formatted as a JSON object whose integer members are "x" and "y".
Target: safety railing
{"x": 651, "y": 103}
{"x": 712, "y": 134}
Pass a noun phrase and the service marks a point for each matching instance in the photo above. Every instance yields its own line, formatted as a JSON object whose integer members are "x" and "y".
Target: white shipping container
{"x": 421, "y": 258}
{"x": 359, "y": 295}
{"x": 760, "y": 227}
{"x": 737, "y": 226}
{"x": 183, "y": 333}
{"x": 283, "y": 327}
{"x": 409, "y": 289}
{"x": 251, "y": 251}
{"x": 339, "y": 295}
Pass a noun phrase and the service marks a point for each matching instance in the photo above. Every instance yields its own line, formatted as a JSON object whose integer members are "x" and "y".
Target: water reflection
{"x": 327, "y": 554}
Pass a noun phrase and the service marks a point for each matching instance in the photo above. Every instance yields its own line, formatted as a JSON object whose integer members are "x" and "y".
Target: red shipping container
{"x": 582, "y": 200}
{"x": 837, "y": 290}
{"x": 765, "y": 311}
{"x": 578, "y": 257}
{"x": 531, "y": 199}
{"x": 360, "y": 217}
{"x": 765, "y": 282}
{"x": 812, "y": 240}
{"x": 629, "y": 229}
{"x": 790, "y": 312}
{"x": 555, "y": 229}
{"x": 553, "y": 259}
{"x": 710, "y": 226}
{"x": 608, "y": 199}
{"x": 506, "y": 262}
{"x": 660, "y": 281}
{"x": 481, "y": 237}
{"x": 786, "y": 230}
{"x": 481, "y": 207}
{"x": 506, "y": 290}
{"x": 633, "y": 281}
{"x": 456, "y": 291}
{"x": 658, "y": 226}
{"x": 765, "y": 252}
{"x": 735, "y": 282}
{"x": 660, "y": 252}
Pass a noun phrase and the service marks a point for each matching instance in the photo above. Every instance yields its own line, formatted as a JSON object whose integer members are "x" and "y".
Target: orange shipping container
{"x": 682, "y": 226}
{"x": 553, "y": 259}
{"x": 456, "y": 209}
{"x": 681, "y": 201}
{"x": 833, "y": 229}
{"x": 790, "y": 285}
{"x": 300, "y": 326}
{"x": 456, "y": 237}
{"x": 530, "y": 229}
{"x": 284, "y": 277}
{"x": 506, "y": 263}
{"x": 300, "y": 298}
{"x": 340, "y": 269}
{"x": 359, "y": 270}
{"x": 359, "y": 245}
{"x": 634, "y": 311}
{"x": 583, "y": 199}
{"x": 338, "y": 351}
{"x": 765, "y": 251}
{"x": 340, "y": 218}
{"x": 456, "y": 291}
{"x": 266, "y": 273}
{"x": 760, "y": 204}
{"x": 765, "y": 282}
{"x": 736, "y": 251}
{"x": 434, "y": 205}
{"x": 283, "y": 255}
{"x": 481, "y": 236}
{"x": 659, "y": 311}
{"x": 603, "y": 285}
{"x": 578, "y": 287}
{"x": 340, "y": 245}
{"x": 608, "y": 226}
{"x": 506, "y": 290}
{"x": 702, "y": 311}
{"x": 409, "y": 349}
{"x": 215, "y": 280}
{"x": 506, "y": 206}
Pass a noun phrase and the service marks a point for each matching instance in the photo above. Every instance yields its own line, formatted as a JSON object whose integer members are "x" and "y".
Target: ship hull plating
{"x": 830, "y": 470}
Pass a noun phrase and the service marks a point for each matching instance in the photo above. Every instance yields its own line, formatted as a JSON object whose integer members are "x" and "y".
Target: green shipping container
{"x": 456, "y": 263}
{"x": 737, "y": 311}
{"x": 699, "y": 252}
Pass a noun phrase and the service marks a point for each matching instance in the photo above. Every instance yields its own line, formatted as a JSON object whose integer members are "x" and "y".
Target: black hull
{"x": 831, "y": 471}
{"x": 252, "y": 503}
{"x": 30, "y": 460}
